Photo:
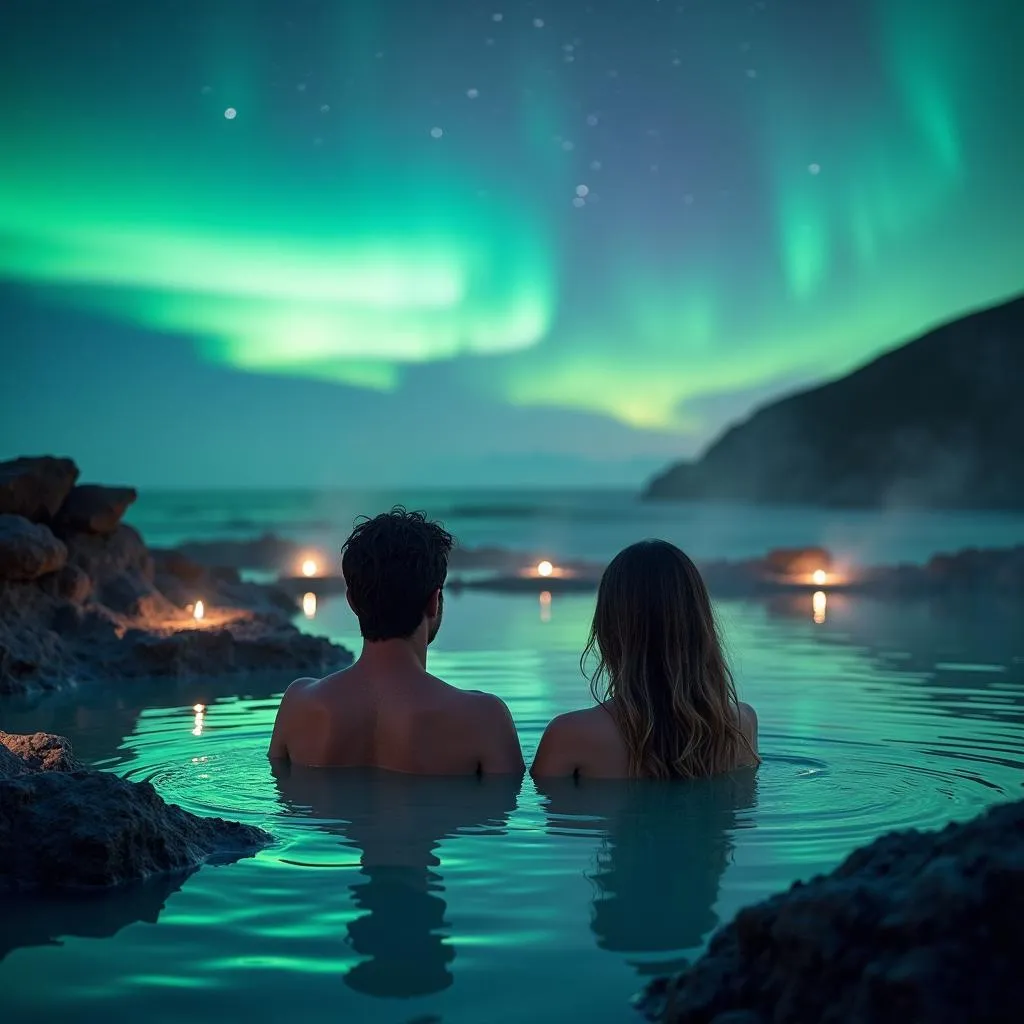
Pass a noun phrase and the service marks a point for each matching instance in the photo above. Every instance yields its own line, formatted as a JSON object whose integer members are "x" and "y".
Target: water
{"x": 407, "y": 900}
{"x": 578, "y": 524}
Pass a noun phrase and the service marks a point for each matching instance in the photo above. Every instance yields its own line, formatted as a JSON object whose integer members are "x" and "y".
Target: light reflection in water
{"x": 197, "y": 725}
{"x": 545, "y": 606}
{"x": 819, "y": 603}
{"x": 309, "y": 605}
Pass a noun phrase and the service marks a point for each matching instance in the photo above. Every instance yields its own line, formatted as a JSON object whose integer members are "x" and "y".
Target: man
{"x": 387, "y": 711}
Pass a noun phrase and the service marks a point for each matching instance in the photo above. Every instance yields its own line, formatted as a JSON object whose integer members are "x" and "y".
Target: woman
{"x": 668, "y": 706}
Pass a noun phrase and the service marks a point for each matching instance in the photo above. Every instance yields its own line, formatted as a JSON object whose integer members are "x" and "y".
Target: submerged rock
{"x": 35, "y": 486}
{"x": 93, "y": 508}
{"x": 83, "y": 829}
{"x": 913, "y": 927}
{"x": 28, "y": 550}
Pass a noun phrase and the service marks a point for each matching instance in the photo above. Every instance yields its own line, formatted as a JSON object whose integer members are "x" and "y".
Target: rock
{"x": 797, "y": 561}
{"x": 28, "y": 550}
{"x": 35, "y": 487}
{"x": 73, "y": 584}
{"x": 92, "y": 508}
{"x": 132, "y": 595}
{"x": 103, "y": 557}
{"x": 10, "y": 764}
{"x": 168, "y": 562}
{"x": 242, "y": 646}
{"x": 86, "y": 829}
{"x": 913, "y": 927}
{"x": 41, "y": 751}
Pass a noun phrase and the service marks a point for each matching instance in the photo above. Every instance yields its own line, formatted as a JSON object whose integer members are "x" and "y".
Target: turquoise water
{"x": 578, "y": 524}
{"x": 410, "y": 900}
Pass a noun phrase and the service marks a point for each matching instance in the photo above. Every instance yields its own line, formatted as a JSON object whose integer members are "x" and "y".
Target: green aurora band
{"x": 393, "y": 248}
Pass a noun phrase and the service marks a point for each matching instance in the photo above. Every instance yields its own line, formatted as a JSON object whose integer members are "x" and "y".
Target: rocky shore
{"x": 916, "y": 927}
{"x": 65, "y": 827}
{"x": 971, "y": 571}
{"x": 82, "y": 598}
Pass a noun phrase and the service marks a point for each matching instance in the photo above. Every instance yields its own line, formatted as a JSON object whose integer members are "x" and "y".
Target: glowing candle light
{"x": 820, "y": 577}
{"x": 309, "y": 605}
{"x": 545, "y": 568}
{"x": 819, "y": 604}
{"x": 309, "y": 567}
{"x": 199, "y": 611}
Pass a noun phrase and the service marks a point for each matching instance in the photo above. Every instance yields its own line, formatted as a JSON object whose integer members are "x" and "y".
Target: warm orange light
{"x": 819, "y": 577}
{"x": 819, "y": 605}
{"x": 545, "y": 606}
{"x": 545, "y": 568}
{"x": 198, "y": 708}
{"x": 199, "y": 611}
{"x": 309, "y": 567}
{"x": 309, "y": 605}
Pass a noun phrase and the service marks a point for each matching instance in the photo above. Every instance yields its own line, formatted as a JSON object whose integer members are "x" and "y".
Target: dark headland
{"x": 937, "y": 422}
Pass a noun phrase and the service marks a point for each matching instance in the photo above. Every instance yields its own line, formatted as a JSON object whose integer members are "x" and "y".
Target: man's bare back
{"x": 405, "y": 720}
{"x": 387, "y": 711}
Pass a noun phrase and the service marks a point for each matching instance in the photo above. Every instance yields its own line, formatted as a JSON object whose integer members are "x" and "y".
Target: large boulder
{"x": 35, "y": 487}
{"x": 913, "y": 927}
{"x": 104, "y": 557}
{"x": 87, "y": 829}
{"x": 92, "y": 508}
{"x": 28, "y": 550}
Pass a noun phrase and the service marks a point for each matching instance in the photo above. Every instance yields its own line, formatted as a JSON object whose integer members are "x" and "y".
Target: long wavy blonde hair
{"x": 661, "y": 672}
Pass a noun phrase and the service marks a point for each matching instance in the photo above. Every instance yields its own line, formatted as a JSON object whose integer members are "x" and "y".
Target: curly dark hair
{"x": 392, "y": 563}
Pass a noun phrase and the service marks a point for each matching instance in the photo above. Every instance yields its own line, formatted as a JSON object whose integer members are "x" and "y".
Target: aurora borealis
{"x": 599, "y": 230}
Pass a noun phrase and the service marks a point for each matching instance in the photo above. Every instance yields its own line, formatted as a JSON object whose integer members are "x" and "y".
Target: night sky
{"x": 454, "y": 241}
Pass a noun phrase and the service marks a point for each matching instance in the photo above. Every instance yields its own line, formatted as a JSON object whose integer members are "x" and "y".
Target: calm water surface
{"x": 393, "y": 899}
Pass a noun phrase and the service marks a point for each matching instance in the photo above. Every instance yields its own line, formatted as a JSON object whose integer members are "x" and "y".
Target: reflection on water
{"x": 44, "y": 921}
{"x": 663, "y": 850}
{"x": 545, "y": 606}
{"x": 819, "y": 606}
{"x": 396, "y": 822}
{"x": 309, "y": 605}
{"x": 885, "y": 715}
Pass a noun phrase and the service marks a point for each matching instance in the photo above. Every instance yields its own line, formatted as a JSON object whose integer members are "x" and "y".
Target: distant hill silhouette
{"x": 938, "y": 422}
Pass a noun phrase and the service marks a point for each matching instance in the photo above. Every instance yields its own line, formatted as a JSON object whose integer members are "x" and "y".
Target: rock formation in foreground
{"x": 938, "y": 422}
{"x": 916, "y": 926}
{"x": 83, "y": 598}
{"x": 66, "y": 827}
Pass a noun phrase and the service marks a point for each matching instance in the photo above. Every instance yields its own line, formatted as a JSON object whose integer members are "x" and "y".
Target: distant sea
{"x": 591, "y": 524}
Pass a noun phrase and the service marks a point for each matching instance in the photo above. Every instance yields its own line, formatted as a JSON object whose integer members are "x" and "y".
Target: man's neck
{"x": 394, "y": 654}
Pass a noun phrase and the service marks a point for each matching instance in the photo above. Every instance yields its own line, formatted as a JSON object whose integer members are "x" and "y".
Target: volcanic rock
{"x": 28, "y": 550}
{"x": 913, "y": 927}
{"x": 41, "y": 751}
{"x": 88, "y": 829}
{"x": 35, "y": 487}
{"x": 92, "y": 508}
{"x": 104, "y": 557}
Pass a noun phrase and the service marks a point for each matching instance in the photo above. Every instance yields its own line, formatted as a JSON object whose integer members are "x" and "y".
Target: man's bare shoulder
{"x": 473, "y": 702}
{"x": 298, "y": 688}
